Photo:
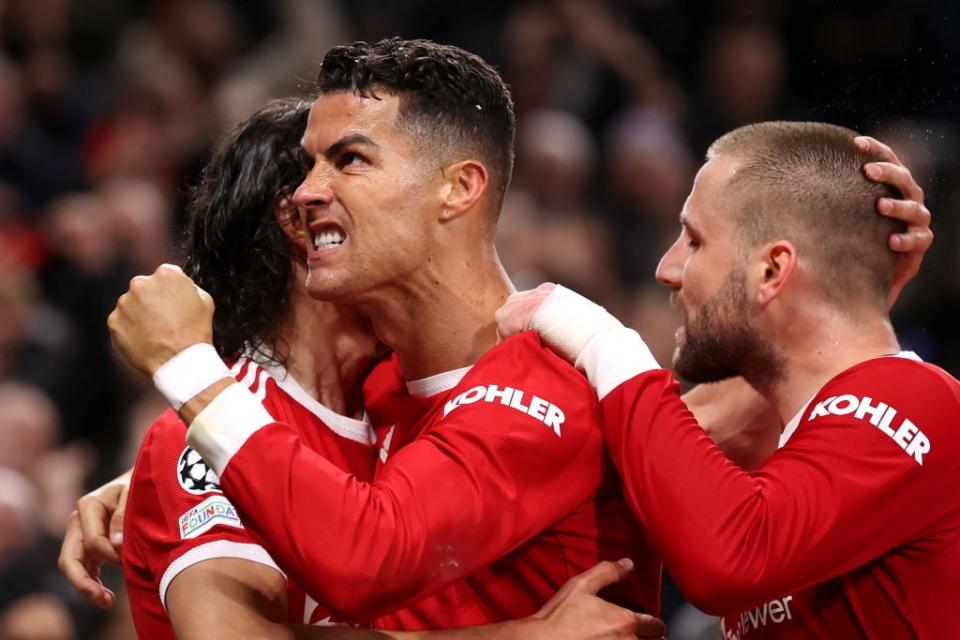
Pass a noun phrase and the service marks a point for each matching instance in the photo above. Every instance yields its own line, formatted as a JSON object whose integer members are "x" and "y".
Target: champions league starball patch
{"x": 194, "y": 475}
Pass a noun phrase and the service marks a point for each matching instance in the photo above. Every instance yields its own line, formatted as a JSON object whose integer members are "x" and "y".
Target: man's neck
{"x": 820, "y": 349}
{"x": 328, "y": 352}
{"x": 442, "y": 318}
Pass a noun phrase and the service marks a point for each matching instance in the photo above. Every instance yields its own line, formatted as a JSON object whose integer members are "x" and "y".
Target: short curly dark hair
{"x": 450, "y": 99}
{"x": 235, "y": 248}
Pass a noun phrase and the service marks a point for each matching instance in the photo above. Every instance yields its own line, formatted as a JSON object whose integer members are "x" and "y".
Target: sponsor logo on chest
{"x": 209, "y": 513}
{"x": 770, "y": 613}
{"x": 535, "y": 407}
{"x": 905, "y": 433}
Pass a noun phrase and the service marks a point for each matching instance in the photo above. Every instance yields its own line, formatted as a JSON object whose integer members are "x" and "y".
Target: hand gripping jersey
{"x": 850, "y": 530}
{"x": 497, "y": 477}
{"x": 178, "y": 516}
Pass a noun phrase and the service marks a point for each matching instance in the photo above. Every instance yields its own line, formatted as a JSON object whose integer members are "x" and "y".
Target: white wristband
{"x": 221, "y": 429}
{"x": 188, "y": 373}
{"x": 567, "y": 322}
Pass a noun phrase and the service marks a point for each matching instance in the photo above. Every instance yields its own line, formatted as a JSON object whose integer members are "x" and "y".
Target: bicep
{"x": 229, "y": 598}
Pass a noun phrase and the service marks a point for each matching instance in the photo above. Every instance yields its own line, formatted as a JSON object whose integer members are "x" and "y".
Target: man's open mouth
{"x": 327, "y": 237}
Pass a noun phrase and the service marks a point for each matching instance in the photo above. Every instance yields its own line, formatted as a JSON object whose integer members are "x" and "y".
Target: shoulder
{"x": 912, "y": 384}
{"x": 521, "y": 379}
{"x": 168, "y": 464}
{"x": 166, "y": 432}
{"x": 525, "y": 357}
{"x": 911, "y": 403}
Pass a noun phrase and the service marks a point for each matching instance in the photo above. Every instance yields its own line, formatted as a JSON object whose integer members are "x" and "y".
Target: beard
{"x": 721, "y": 341}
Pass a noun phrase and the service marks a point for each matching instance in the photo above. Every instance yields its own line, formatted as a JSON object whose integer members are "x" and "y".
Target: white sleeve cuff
{"x": 614, "y": 356}
{"x": 219, "y": 431}
{"x": 211, "y": 551}
{"x": 567, "y": 322}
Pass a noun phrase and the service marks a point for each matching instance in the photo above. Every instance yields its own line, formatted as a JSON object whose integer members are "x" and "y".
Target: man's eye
{"x": 306, "y": 161}
{"x": 349, "y": 158}
{"x": 693, "y": 244}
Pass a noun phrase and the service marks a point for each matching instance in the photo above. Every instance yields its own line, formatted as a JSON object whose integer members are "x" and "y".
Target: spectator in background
{"x": 650, "y": 169}
{"x": 744, "y": 79}
{"x": 550, "y": 223}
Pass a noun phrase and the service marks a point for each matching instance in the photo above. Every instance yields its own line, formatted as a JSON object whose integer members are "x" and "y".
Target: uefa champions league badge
{"x": 194, "y": 475}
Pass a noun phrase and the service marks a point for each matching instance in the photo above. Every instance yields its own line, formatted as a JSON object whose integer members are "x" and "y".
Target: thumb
{"x": 117, "y": 519}
{"x": 604, "y": 574}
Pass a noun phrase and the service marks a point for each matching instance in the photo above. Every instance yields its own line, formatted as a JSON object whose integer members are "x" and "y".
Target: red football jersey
{"x": 517, "y": 584}
{"x": 498, "y": 479}
{"x": 850, "y": 530}
{"x": 178, "y": 516}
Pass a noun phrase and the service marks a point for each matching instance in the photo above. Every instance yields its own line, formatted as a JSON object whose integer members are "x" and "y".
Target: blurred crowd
{"x": 108, "y": 109}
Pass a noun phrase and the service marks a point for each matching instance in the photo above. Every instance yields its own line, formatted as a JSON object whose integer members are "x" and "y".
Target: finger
{"x": 911, "y": 241}
{"x": 206, "y": 297}
{"x": 174, "y": 267}
{"x": 546, "y": 288}
{"x": 116, "y": 521}
{"x": 94, "y": 523}
{"x": 913, "y": 213}
{"x": 897, "y": 176}
{"x": 872, "y": 145}
{"x": 603, "y": 574}
{"x": 649, "y": 626}
{"x": 74, "y": 566}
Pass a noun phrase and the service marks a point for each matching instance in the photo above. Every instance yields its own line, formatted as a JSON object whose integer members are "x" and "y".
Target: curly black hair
{"x": 450, "y": 99}
{"x": 235, "y": 248}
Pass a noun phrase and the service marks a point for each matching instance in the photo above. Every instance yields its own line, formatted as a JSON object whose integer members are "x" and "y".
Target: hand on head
{"x": 914, "y": 243}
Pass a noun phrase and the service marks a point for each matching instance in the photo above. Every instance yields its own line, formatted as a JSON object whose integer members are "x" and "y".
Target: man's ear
{"x": 465, "y": 183}
{"x": 773, "y": 270}
{"x": 290, "y": 223}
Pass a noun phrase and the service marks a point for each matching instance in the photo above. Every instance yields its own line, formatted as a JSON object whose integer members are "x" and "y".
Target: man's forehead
{"x": 335, "y": 115}
{"x": 711, "y": 192}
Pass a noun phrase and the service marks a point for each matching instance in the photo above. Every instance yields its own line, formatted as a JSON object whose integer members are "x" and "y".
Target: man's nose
{"x": 315, "y": 190}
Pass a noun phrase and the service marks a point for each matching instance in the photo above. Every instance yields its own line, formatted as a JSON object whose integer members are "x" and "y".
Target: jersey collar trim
{"x": 437, "y": 383}
{"x": 791, "y": 426}
{"x": 343, "y": 426}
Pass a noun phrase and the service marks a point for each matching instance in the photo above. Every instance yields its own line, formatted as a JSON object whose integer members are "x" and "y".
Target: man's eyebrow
{"x": 685, "y": 222}
{"x": 345, "y": 141}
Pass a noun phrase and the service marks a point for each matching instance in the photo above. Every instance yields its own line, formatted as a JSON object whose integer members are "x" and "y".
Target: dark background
{"x": 109, "y": 107}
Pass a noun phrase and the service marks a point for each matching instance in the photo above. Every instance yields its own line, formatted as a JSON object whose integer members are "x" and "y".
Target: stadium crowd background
{"x": 108, "y": 109}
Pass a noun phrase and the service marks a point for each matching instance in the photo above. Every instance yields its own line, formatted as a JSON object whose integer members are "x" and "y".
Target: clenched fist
{"x": 161, "y": 315}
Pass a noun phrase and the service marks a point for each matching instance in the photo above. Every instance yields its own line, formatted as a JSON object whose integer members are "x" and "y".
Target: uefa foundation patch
{"x": 209, "y": 513}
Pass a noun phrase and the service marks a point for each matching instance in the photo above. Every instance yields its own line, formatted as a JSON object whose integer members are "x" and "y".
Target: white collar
{"x": 344, "y": 426}
{"x": 437, "y": 383}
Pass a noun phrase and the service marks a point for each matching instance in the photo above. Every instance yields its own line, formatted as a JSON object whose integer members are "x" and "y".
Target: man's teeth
{"x": 327, "y": 240}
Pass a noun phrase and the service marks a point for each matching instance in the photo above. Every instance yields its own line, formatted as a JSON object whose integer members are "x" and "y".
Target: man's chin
{"x": 697, "y": 370}
{"x": 326, "y": 287}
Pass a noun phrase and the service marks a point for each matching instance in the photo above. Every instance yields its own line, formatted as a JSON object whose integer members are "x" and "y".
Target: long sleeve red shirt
{"x": 851, "y": 529}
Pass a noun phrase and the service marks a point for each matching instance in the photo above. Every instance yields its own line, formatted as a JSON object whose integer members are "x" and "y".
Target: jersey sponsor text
{"x": 544, "y": 411}
{"x": 907, "y": 435}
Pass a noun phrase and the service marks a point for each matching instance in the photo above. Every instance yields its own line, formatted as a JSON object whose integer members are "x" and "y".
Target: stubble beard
{"x": 721, "y": 341}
